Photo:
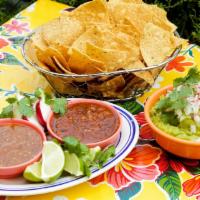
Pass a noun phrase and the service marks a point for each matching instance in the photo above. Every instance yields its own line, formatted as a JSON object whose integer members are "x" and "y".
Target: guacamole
{"x": 178, "y": 112}
{"x": 179, "y": 132}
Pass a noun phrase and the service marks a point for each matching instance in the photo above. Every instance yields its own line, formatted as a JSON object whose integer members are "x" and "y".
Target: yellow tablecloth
{"x": 148, "y": 172}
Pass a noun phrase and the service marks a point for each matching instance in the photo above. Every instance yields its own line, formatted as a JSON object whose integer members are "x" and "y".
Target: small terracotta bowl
{"x": 13, "y": 171}
{"x": 103, "y": 143}
{"x": 179, "y": 147}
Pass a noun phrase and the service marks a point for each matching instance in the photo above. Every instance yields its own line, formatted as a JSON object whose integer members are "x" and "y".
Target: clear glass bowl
{"x": 111, "y": 86}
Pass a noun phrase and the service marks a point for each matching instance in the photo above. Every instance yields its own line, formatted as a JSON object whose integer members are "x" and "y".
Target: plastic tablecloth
{"x": 148, "y": 172}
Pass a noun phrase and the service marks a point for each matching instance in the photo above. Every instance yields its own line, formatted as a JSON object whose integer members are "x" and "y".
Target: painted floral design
{"x": 177, "y": 164}
{"x": 170, "y": 163}
{"x": 139, "y": 165}
{"x": 192, "y": 186}
{"x": 178, "y": 64}
{"x": 145, "y": 130}
{"x": 16, "y": 26}
{"x": 3, "y": 43}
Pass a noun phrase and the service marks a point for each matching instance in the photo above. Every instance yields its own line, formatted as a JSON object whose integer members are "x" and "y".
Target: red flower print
{"x": 98, "y": 179}
{"x": 192, "y": 186}
{"x": 142, "y": 155}
{"x": 146, "y": 173}
{"x": 177, "y": 164}
{"x": 140, "y": 118}
{"x": 3, "y": 43}
{"x": 17, "y": 27}
{"x": 137, "y": 166}
{"x": 116, "y": 177}
{"x": 177, "y": 64}
{"x": 146, "y": 131}
{"x": 165, "y": 162}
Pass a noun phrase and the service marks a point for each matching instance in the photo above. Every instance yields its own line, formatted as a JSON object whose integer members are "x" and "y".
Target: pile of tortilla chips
{"x": 101, "y": 36}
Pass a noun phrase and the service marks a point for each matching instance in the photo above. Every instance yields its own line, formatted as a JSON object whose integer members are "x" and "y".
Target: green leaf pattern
{"x": 171, "y": 183}
{"x": 9, "y": 59}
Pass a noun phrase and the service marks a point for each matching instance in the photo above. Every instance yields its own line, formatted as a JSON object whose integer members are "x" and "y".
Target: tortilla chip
{"x": 108, "y": 88}
{"x": 61, "y": 32}
{"x": 145, "y": 75}
{"x": 105, "y": 39}
{"x": 125, "y": 1}
{"x": 155, "y": 44}
{"x": 60, "y": 66}
{"x": 52, "y": 52}
{"x": 81, "y": 63}
{"x": 38, "y": 40}
{"x": 92, "y": 12}
{"x": 140, "y": 14}
{"x": 112, "y": 59}
{"x": 128, "y": 33}
{"x": 30, "y": 52}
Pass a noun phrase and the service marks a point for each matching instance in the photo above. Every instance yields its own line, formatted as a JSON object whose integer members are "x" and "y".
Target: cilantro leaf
{"x": 59, "y": 105}
{"x": 48, "y": 99}
{"x": 7, "y": 112}
{"x": 103, "y": 156}
{"x": 179, "y": 104}
{"x": 25, "y": 107}
{"x": 192, "y": 77}
{"x": 163, "y": 104}
{"x": 11, "y": 100}
{"x": 70, "y": 144}
{"x": 185, "y": 91}
{"x": 33, "y": 100}
{"x": 87, "y": 170}
{"x": 38, "y": 92}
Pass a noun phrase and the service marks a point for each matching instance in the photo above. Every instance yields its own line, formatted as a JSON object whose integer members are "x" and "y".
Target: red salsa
{"x": 18, "y": 144}
{"x": 88, "y": 122}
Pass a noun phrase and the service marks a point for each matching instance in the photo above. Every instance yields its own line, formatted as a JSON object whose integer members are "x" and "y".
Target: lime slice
{"x": 33, "y": 172}
{"x": 73, "y": 164}
{"x": 53, "y": 161}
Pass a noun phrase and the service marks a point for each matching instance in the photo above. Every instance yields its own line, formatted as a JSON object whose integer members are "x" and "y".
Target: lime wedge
{"x": 53, "y": 161}
{"x": 73, "y": 164}
{"x": 33, "y": 172}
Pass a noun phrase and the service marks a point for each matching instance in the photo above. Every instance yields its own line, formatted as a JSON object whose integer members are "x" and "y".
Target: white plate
{"x": 128, "y": 139}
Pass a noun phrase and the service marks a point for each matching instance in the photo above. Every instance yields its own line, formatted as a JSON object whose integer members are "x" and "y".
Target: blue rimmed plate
{"x": 128, "y": 138}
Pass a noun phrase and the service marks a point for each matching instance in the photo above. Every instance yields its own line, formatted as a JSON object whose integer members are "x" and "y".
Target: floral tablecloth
{"x": 147, "y": 172}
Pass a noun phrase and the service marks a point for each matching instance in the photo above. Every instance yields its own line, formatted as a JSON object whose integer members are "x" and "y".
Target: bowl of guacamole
{"x": 173, "y": 113}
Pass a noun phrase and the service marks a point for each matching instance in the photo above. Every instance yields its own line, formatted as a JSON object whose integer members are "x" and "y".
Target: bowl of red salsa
{"x": 93, "y": 122}
{"x": 21, "y": 144}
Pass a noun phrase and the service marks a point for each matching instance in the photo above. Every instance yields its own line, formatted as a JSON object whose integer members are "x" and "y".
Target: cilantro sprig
{"x": 58, "y": 104}
{"x": 177, "y": 98}
{"x": 23, "y": 106}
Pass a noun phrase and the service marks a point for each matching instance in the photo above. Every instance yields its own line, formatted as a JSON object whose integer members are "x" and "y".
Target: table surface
{"x": 148, "y": 171}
